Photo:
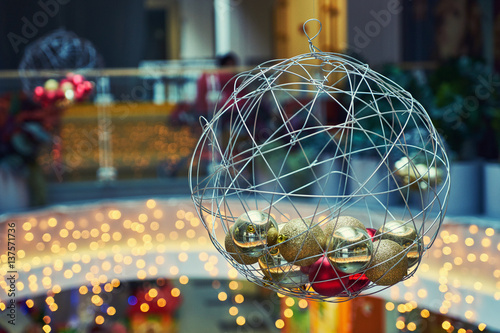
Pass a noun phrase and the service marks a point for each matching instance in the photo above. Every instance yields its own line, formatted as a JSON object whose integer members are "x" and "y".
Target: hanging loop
{"x": 312, "y": 48}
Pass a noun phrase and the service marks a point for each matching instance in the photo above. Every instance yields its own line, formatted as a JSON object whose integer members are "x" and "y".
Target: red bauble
{"x": 87, "y": 85}
{"x": 39, "y": 91}
{"x": 77, "y": 79}
{"x": 357, "y": 282}
{"x": 325, "y": 279}
{"x": 371, "y": 232}
{"x": 51, "y": 95}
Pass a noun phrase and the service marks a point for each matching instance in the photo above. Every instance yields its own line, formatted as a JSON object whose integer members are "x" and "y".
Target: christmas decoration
{"x": 342, "y": 221}
{"x": 250, "y": 232}
{"x": 301, "y": 243}
{"x": 350, "y": 249}
{"x": 281, "y": 272}
{"x": 389, "y": 264}
{"x": 405, "y": 235}
{"x": 325, "y": 280}
{"x": 273, "y": 147}
{"x": 233, "y": 251}
{"x": 73, "y": 88}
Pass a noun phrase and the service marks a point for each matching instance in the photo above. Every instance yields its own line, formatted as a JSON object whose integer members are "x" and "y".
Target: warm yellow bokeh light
{"x": 222, "y": 296}
{"x": 389, "y": 306}
{"x": 175, "y": 292}
{"x": 153, "y": 292}
{"x": 99, "y": 320}
{"x": 239, "y": 298}
{"x": 303, "y": 304}
{"x": 151, "y": 204}
{"x": 161, "y": 302}
{"x": 83, "y": 290}
{"x": 233, "y": 311}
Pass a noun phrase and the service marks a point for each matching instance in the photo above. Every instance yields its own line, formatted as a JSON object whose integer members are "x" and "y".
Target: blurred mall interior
{"x": 103, "y": 103}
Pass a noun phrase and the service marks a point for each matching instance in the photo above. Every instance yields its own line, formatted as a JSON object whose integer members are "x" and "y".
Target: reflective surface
{"x": 280, "y": 271}
{"x": 405, "y": 235}
{"x": 350, "y": 249}
{"x": 250, "y": 232}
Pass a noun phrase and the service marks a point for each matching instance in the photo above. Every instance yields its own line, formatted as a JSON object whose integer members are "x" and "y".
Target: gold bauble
{"x": 233, "y": 251}
{"x": 51, "y": 85}
{"x": 301, "y": 243}
{"x": 342, "y": 221}
{"x": 350, "y": 249}
{"x": 249, "y": 232}
{"x": 389, "y": 264}
{"x": 405, "y": 235}
{"x": 280, "y": 272}
{"x": 272, "y": 236}
{"x": 339, "y": 222}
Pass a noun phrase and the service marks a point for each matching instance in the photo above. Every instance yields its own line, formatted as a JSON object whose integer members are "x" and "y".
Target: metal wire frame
{"x": 272, "y": 147}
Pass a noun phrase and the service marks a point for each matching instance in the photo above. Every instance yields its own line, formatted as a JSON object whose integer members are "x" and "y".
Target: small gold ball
{"x": 342, "y": 221}
{"x": 389, "y": 264}
{"x": 303, "y": 243}
{"x": 272, "y": 236}
{"x": 235, "y": 253}
{"x": 405, "y": 235}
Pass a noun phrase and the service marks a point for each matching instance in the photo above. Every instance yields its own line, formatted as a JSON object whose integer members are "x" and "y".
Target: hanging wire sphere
{"x": 346, "y": 162}
{"x": 59, "y": 50}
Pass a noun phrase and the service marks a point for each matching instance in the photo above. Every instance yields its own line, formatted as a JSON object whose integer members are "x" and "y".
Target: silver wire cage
{"x": 318, "y": 137}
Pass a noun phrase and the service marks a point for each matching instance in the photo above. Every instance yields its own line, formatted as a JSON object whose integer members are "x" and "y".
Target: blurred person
{"x": 210, "y": 85}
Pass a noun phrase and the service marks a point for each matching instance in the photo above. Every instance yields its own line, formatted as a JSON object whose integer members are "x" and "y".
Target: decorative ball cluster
{"x": 72, "y": 88}
{"x": 347, "y": 162}
{"x": 60, "y": 50}
{"x": 339, "y": 258}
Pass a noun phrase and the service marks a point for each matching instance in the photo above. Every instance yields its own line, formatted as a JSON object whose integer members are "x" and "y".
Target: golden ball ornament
{"x": 389, "y": 264}
{"x": 250, "y": 232}
{"x": 51, "y": 85}
{"x": 342, "y": 221}
{"x": 279, "y": 271}
{"x": 233, "y": 251}
{"x": 272, "y": 236}
{"x": 405, "y": 235}
{"x": 350, "y": 249}
{"x": 301, "y": 242}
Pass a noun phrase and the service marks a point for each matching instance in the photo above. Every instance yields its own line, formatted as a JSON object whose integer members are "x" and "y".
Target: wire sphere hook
{"x": 312, "y": 48}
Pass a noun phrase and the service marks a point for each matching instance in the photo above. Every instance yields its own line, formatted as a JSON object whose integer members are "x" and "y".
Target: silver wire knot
{"x": 312, "y": 48}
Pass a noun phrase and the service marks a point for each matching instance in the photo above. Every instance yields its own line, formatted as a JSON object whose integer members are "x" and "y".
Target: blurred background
{"x": 94, "y": 173}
